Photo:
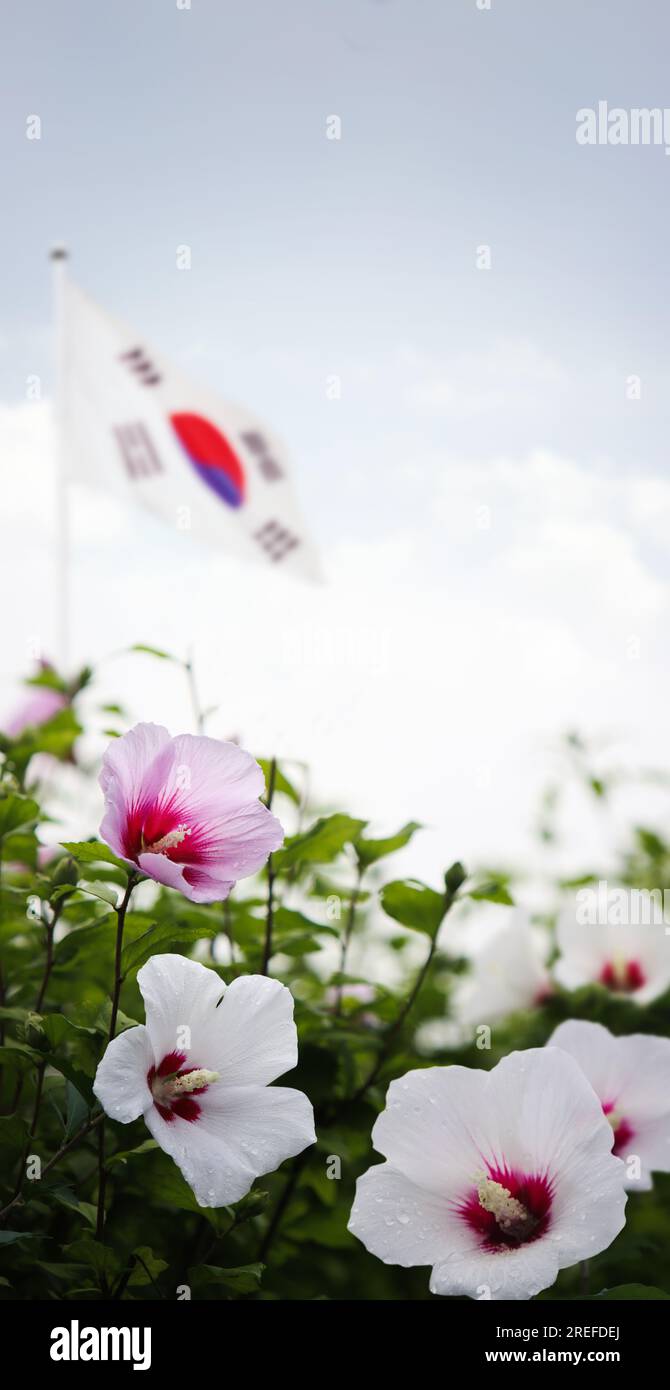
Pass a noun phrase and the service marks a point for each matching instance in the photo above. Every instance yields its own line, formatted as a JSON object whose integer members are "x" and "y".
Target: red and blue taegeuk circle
{"x": 211, "y": 455}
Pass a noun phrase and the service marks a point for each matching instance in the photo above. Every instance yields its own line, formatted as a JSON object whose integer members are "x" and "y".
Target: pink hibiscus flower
{"x": 37, "y": 707}
{"x": 186, "y": 811}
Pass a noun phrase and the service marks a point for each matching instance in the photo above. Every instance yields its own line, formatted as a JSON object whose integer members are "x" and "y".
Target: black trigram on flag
{"x": 142, "y": 366}
{"x": 275, "y": 540}
{"x": 137, "y": 450}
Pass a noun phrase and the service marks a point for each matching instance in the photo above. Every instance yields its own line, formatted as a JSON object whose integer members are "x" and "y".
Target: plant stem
{"x": 325, "y": 1115}
{"x": 347, "y": 934}
{"x": 50, "y": 927}
{"x": 39, "y": 1082}
{"x": 278, "y": 1214}
{"x": 195, "y": 699}
{"x": 118, "y": 981}
{"x": 48, "y": 965}
{"x": 269, "y": 917}
{"x": 118, "y": 977}
{"x": 90, "y": 1124}
{"x": 123, "y": 1281}
{"x": 397, "y": 1024}
{"x": 228, "y": 928}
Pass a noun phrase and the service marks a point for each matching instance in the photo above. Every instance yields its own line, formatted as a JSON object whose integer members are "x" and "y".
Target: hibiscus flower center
{"x": 158, "y": 828}
{"x": 622, "y": 976}
{"x": 623, "y": 1130}
{"x": 507, "y": 1209}
{"x": 169, "y": 841}
{"x": 173, "y": 1086}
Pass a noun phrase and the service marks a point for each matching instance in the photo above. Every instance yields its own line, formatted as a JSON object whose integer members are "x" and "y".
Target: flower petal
{"x": 121, "y": 1079}
{"x": 202, "y": 886}
{"x": 591, "y": 1045}
{"x": 208, "y": 776}
{"x": 400, "y": 1223}
{"x": 507, "y": 974}
{"x": 550, "y": 1120}
{"x": 238, "y": 844}
{"x": 431, "y": 1127}
{"x": 587, "y": 948}
{"x": 180, "y": 998}
{"x": 196, "y": 884}
{"x": 241, "y": 1133}
{"x": 631, "y": 1076}
{"x": 129, "y": 777}
{"x": 534, "y": 1114}
{"x": 40, "y": 705}
{"x": 163, "y": 870}
{"x": 257, "y": 1039}
{"x": 516, "y": 1274}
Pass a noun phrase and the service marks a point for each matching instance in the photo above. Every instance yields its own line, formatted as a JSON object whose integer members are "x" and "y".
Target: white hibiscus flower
{"x": 497, "y": 1179}
{"x": 508, "y": 973}
{"x": 631, "y": 1078}
{"x": 199, "y": 1073}
{"x": 631, "y": 960}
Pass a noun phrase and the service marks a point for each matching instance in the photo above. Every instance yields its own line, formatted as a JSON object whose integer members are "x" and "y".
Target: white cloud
{"x": 511, "y": 374}
{"x": 425, "y": 680}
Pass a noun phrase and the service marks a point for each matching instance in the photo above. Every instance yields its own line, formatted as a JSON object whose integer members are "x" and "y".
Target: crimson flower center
{"x": 623, "y": 1129}
{"x": 174, "y": 1086}
{"x": 161, "y": 828}
{"x": 168, "y": 841}
{"x": 622, "y": 976}
{"x": 507, "y": 1209}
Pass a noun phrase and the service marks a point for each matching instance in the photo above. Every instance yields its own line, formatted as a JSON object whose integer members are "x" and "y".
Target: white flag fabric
{"x": 136, "y": 426}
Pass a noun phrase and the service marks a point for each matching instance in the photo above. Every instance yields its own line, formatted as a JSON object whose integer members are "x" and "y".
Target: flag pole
{"x": 58, "y": 257}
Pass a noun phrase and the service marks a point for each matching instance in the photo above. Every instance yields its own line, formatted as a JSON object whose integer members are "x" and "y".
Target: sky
{"x": 489, "y": 495}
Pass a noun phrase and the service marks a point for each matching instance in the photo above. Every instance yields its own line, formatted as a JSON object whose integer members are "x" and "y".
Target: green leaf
{"x": 77, "y": 1111}
{"x": 98, "y": 1257}
{"x": 47, "y": 679}
{"x": 369, "y": 851}
{"x": 494, "y": 891}
{"x": 94, "y": 852}
{"x": 15, "y": 1015}
{"x": 104, "y": 1019}
{"x": 321, "y": 843}
{"x": 651, "y": 843}
{"x": 104, "y": 891}
{"x": 155, "y": 651}
{"x": 147, "y": 1267}
{"x": 159, "y": 937}
{"x": 149, "y": 1146}
{"x": 301, "y": 945}
{"x": 81, "y": 1082}
{"x": 324, "y": 1227}
{"x": 627, "y": 1293}
{"x": 10, "y": 1237}
{"x": 58, "y": 1027}
{"x": 164, "y": 1185}
{"x": 84, "y": 939}
{"x": 23, "y": 846}
{"x": 18, "y": 1052}
{"x": 282, "y": 783}
{"x": 414, "y": 904}
{"x": 289, "y": 921}
{"x": 56, "y": 736}
{"x": 66, "y": 1198}
{"x": 208, "y": 1280}
{"x": 17, "y": 813}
